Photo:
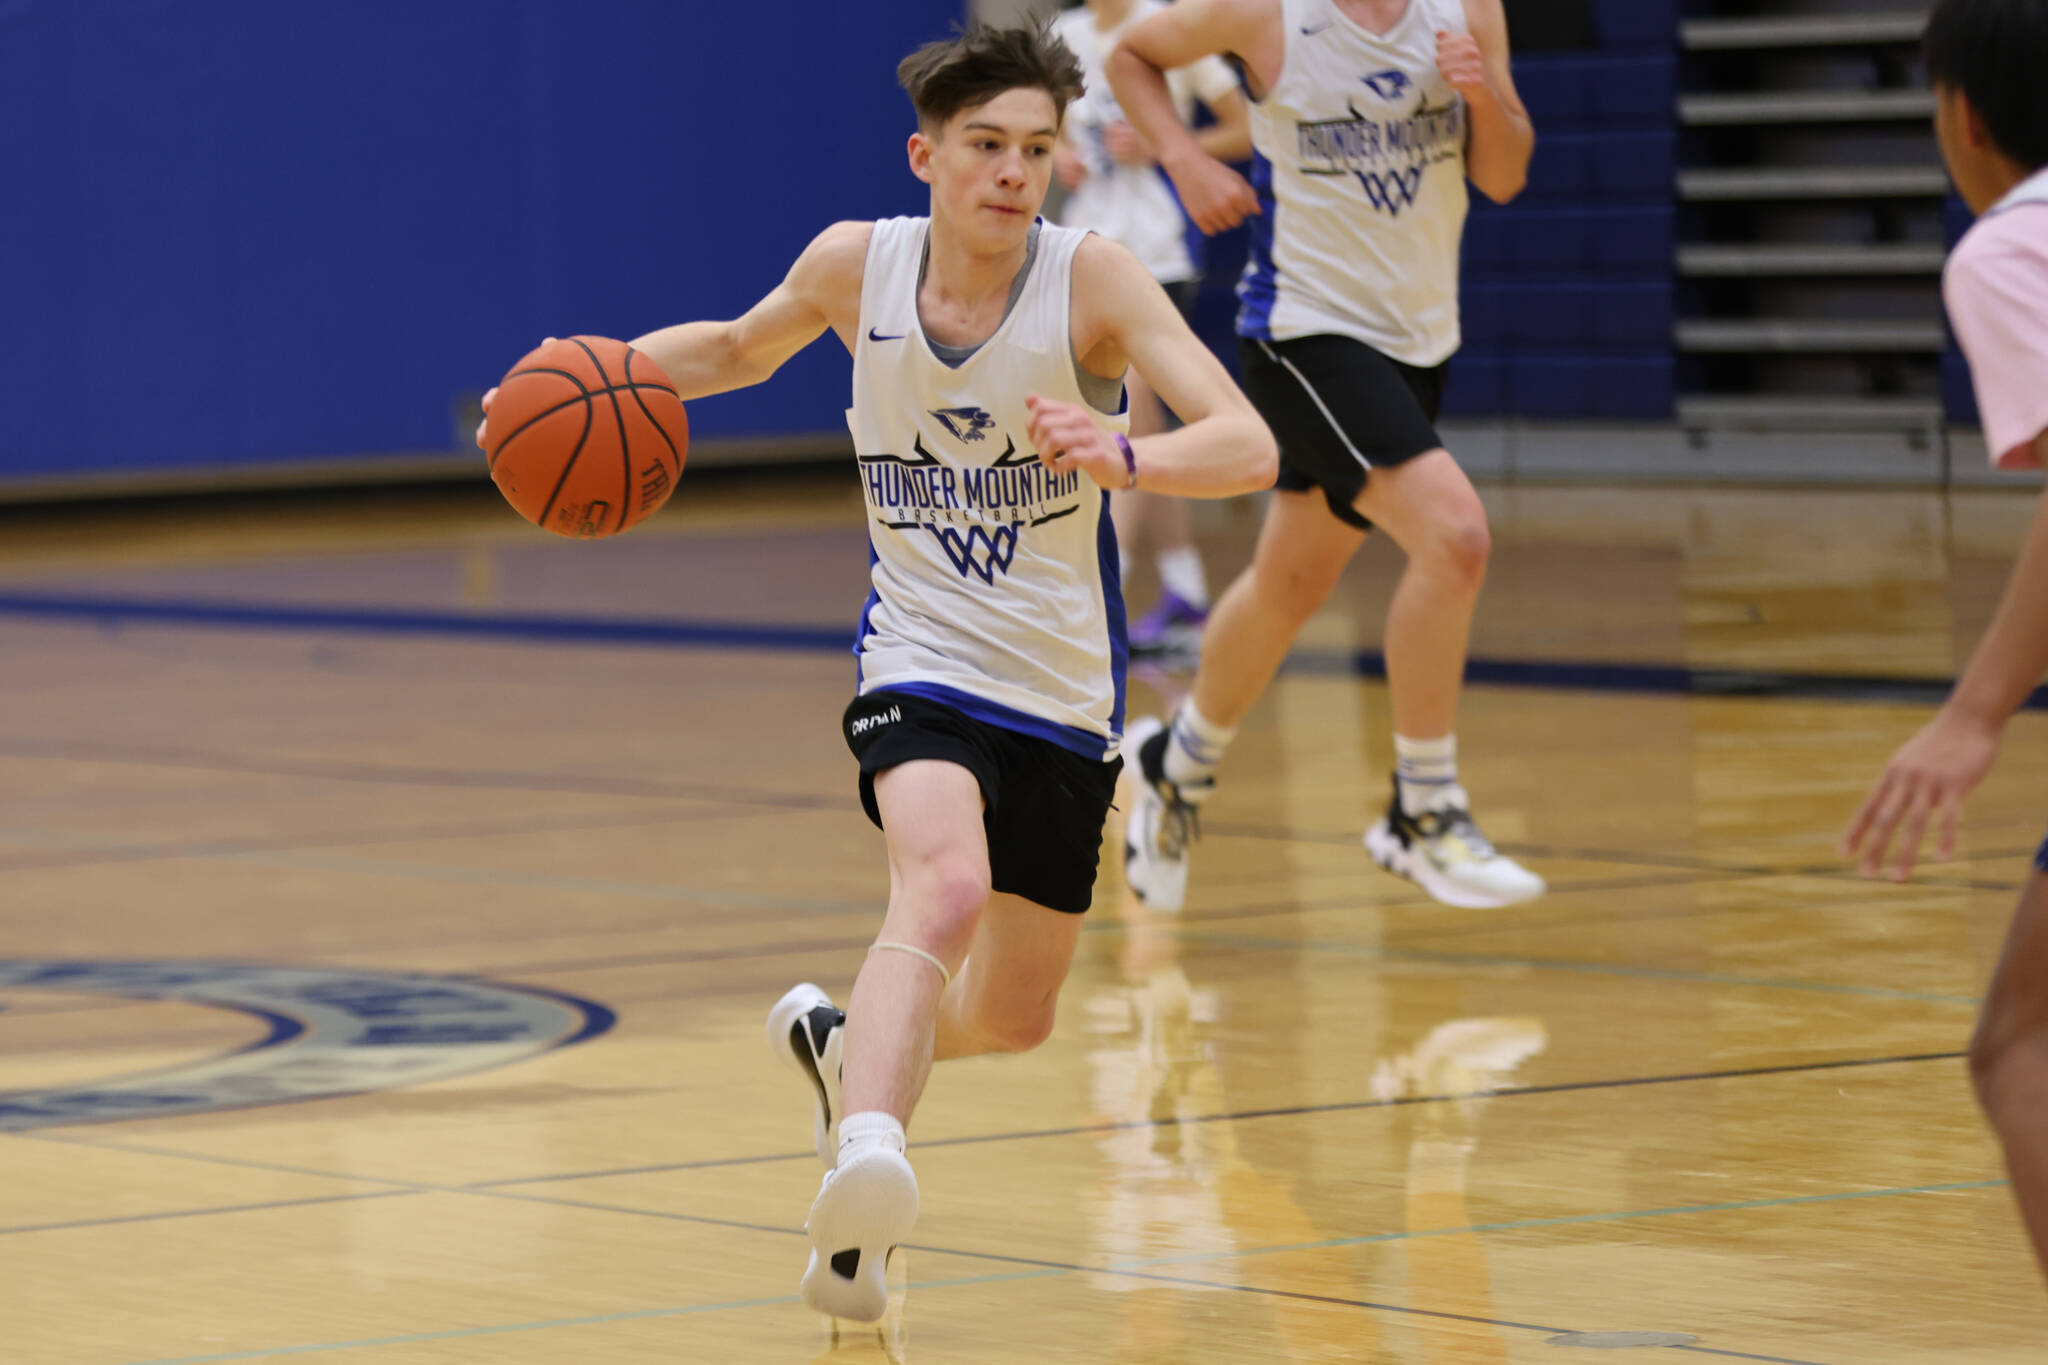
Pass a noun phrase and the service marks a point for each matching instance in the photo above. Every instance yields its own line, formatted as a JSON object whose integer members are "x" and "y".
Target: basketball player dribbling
{"x": 989, "y": 351}
{"x": 1985, "y": 58}
{"x": 1367, "y": 118}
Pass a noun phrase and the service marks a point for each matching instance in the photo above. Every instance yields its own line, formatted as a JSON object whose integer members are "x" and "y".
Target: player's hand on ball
{"x": 1068, "y": 441}
{"x": 1457, "y": 57}
{"x": 1929, "y": 776}
{"x": 1126, "y": 144}
{"x": 1216, "y": 197}
{"x": 490, "y": 396}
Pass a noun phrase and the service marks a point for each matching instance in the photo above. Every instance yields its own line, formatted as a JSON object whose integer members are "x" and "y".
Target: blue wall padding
{"x": 239, "y": 231}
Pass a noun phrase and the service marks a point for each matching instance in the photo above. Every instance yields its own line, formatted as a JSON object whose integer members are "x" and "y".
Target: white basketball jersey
{"x": 995, "y": 587}
{"x": 1359, "y": 163}
{"x": 1134, "y": 206}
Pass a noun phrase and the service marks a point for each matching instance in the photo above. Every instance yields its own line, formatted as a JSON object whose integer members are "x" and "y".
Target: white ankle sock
{"x": 1426, "y": 771}
{"x": 1194, "y": 747}
{"x": 870, "y": 1129}
{"x": 1180, "y": 573}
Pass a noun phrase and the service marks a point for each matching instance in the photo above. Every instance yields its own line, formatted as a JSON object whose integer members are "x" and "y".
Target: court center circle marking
{"x": 333, "y": 1032}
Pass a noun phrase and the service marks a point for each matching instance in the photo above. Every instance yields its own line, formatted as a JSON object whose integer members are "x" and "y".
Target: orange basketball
{"x": 586, "y": 437}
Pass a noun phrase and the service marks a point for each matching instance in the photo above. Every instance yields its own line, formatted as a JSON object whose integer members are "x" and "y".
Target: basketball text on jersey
{"x": 1388, "y": 155}
{"x": 977, "y": 514}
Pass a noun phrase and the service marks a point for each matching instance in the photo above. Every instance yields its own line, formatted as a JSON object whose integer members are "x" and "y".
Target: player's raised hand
{"x": 1216, "y": 197}
{"x": 1126, "y": 145}
{"x": 1926, "y": 779}
{"x": 1067, "y": 440}
{"x": 1457, "y": 57}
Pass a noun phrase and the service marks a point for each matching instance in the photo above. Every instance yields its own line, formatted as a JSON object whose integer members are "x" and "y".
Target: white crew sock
{"x": 1194, "y": 747}
{"x": 871, "y": 1129}
{"x": 1426, "y": 771}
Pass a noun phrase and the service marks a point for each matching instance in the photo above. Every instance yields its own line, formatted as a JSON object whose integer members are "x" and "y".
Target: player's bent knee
{"x": 948, "y": 904}
{"x": 2008, "y": 1057}
{"x": 1460, "y": 547}
{"x": 1019, "y": 1030}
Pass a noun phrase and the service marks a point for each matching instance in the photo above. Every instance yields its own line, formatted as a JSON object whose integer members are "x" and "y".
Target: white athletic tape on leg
{"x": 945, "y": 977}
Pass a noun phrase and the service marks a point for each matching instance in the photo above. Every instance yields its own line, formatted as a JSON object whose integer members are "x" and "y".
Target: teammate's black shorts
{"x": 2041, "y": 858}
{"x": 1042, "y": 806}
{"x": 1339, "y": 410}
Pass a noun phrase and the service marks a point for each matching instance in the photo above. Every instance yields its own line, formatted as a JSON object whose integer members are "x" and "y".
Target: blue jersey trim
{"x": 1086, "y": 743}
{"x": 1259, "y": 286}
{"x": 860, "y": 639}
{"x": 1110, "y": 559}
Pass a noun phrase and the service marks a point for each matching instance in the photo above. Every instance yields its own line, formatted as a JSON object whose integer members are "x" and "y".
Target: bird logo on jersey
{"x": 1388, "y": 85}
{"x": 966, "y": 424}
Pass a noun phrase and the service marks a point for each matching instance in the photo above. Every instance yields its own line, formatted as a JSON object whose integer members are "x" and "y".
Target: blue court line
{"x": 675, "y": 633}
{"x": 208, "y": 1213}
{"x": 532, "y": 629}
{"x": 1450, "y": 959}
{"x": 1569, "y": 1221}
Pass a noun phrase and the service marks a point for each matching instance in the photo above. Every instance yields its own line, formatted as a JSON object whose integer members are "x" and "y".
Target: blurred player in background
{"x": 1985, "y": 58}
{"x": 1368, "y": 118}
{"x": 1115, "y": 187}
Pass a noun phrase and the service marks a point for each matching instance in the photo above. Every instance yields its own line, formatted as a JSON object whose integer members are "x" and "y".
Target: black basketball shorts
{"x": 1042, "y": 806}
{"x": 2041, "y": 858}
{"x": 1340, "y": 410}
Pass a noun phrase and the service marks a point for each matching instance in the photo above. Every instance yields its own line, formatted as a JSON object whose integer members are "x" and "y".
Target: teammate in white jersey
{"x": 988, "y": 353}
{"x": 1116, "y": 188}
{"x": 1368, "y": 117}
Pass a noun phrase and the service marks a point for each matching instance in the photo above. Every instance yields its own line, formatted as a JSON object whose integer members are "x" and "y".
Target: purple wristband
{"x": 1123, "y": 443}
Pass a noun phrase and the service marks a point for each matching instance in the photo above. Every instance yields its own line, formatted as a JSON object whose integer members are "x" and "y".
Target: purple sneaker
{"x": 1172, "y": 627}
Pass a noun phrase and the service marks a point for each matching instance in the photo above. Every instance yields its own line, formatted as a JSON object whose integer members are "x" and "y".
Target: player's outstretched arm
{"x": 1502, "y": 138}
{"x": 821, "y": 290}
{"x": 1121, "y": 315}
{"x": 1933, "y": 771}
{"x": 1216, "y": 197}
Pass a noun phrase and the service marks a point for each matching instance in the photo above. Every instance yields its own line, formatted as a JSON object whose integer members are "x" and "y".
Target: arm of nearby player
{"x": 1229, "y": 138}
{"x": 821, "y": 290}
{"x": 1933, "y": 771}
{"x": 1503, "y": 138}
{"x": 1183, "y": 33}
{"x": 1120, "y": 312}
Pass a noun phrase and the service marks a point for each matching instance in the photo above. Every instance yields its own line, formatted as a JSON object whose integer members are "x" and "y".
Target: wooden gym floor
{"x": 392, "y": 897}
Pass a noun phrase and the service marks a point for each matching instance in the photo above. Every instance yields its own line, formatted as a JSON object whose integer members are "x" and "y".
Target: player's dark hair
{"x": 946, "y": 77}
{"x": 1994, "y": 52}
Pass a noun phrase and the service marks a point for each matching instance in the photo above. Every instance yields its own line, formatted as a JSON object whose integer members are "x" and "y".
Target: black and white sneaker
{"x": 1163, "y": 821}
{"x": 807, "y": 1031}
{"x": 1443, "y": 852}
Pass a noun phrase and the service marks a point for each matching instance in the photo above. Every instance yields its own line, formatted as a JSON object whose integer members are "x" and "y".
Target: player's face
{"x": 990, "y": 166}
{"x": 1965, "y": 146}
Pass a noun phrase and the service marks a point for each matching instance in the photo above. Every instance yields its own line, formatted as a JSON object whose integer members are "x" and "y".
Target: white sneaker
{"x": 808, "y": 1032}
{"x": 1443, "y": 852}
{"x": 1162, "y": 822}
{"x": 864, "y": 1211}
